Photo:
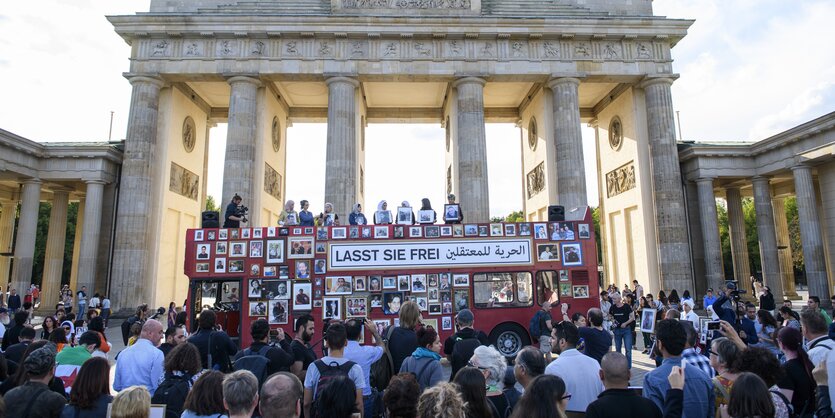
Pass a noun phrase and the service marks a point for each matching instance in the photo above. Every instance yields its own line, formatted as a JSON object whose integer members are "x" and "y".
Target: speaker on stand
{"x": 210, "y": 219}
{"x": 556, "y": 213}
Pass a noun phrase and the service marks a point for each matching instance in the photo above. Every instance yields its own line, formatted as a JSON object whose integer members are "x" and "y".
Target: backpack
{"x": 256, "y": 362}
{"x": 327, "y": 373}
{"x": 383, "y": 369}
{"x": 789, "y": 406}
{"x": 172, "y": 393}
{"x": 533, "y": 327}
{"x": 462, "y": 351}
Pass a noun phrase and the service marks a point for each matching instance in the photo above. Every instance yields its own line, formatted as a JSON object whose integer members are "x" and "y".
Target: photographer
{"x": 234, "y": 215}
{"x": 724, "y": 305}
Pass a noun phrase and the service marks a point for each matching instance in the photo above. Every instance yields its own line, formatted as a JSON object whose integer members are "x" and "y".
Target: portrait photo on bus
{"x": 319, "y": 267}
{"x": 257, "y": 308}
{"x": 381, "y": 325}
{"x": 510, "y": 230}
{"x": 201, "y": 267}
{"x": 524, "y": 229}
{"x": 418, "y": 283}
{"x": 540, "y": 231}
{"x": 415, "y": 232}
{"x": 433, "y": 231}
{"x": 496, "y": 230}
{"x": 392, "y": 302}
{"x": 300, "y": 247}
{"x": 359, "y": 283}
{"x": 301, "y": 296}
{"x": 338, "y": 285}
{"x": 471, "y": 230}
{"x": 583, "y": 231}
{"x": 211, "y": 235}
{"x": 255, "y": 290}
{"x": 381, "y": 232}
{"x": 338, "y": 232}
{"x": 256, "y": 233}
{"x": 220, "y": 248}
{"x": 254, "y": 269}
{"x": 222, "y": 234}
{"x": 461, "y": 280}
{"x": 355, "y": 307}
{"x": 204, "y": 251}
{"x": 220, "y": 265}
{"x": 452, "y": 212}
{"x": 446, "y": 323}
{"x": 238, "y": 249}
{"x": 236, "y": 266}
{"x": 376, "y": 301}
{"x": 276, "y": 289}
{"x": 256, "y": 249}
{"x": 572, "y": 255}
{"x": 565, "y": 290}
{"x": 580, "y": 291}
{"x": 458, "y": 230}
{"x": 375, "y": 284}
{"x": 548, "y": 252}
{"x": 198, "y": 235}
{"x": 275, "y": 251}
{"x": 389, "y": 283}
{"x": 434, "y": 309}
{"x": 403, "y": 284}
{"x": 332, "y": 308}
{"x": 302, "y": 269}
{"x": 279, "y": 312}
{"x": 462, "y": 299}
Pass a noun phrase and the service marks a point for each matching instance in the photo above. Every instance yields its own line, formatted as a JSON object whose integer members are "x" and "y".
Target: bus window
{"x": 547, "y": 286}
{"x": 501, "y": 289}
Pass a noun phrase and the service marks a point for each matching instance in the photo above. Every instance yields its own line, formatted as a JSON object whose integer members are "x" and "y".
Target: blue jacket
{"x": 699, "y": 398}
{"x": 750, "y": 331}
{"x": 724, "y": 314}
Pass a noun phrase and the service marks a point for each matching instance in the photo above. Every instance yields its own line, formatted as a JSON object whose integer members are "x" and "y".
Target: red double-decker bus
{"x": 501, "y": 271}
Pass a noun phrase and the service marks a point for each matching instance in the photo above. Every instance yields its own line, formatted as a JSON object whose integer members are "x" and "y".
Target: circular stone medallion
{"x": 276, "y": 135}
{"x": 533, "y": 134}
{"x": 189, "y": 134}
{"x": 615, "y": 133}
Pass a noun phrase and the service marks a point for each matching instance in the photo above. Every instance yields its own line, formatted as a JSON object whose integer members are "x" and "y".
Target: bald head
{"x": 152, "y": 331}
{"x": 614, "y": 370}
{"x": 281, "y": 396}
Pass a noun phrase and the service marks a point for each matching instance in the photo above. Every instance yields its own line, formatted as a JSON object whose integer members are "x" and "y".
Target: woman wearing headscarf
{"x": 328, "y": 217}
{"x": 357, "y": 217}
{"x": 305, "y": 217}
{"x": 424, "y": 208}
{"x": 288, "y": 216}
{"x": 405, "y": 204}
{"x": 382, "y": 216}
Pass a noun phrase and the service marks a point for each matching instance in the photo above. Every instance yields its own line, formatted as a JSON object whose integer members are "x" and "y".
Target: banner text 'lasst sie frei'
{"x": 371, "y": 255}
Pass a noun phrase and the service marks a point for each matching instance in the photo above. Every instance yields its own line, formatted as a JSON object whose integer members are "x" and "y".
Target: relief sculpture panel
{"x": 620, "y": 179}
{"x": 272, "y": 182}
{"x": 536, "y": 180}
{"x": 184, "y": 182}
{"x": 406, "y": 4}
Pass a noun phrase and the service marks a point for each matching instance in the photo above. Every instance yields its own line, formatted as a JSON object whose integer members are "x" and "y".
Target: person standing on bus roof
{"x": 451, "y": 200}
{"x": 459, "y": 347}
{"x": 288, "y": 216}
{"x": 383, "y": 215}
{"x": 357, "y": 217}
{"x": 425, "y": 205}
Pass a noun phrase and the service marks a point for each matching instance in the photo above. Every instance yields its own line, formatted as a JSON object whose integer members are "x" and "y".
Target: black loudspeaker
{"x": 556, "y": 213}
{"x": 210, "y": 219}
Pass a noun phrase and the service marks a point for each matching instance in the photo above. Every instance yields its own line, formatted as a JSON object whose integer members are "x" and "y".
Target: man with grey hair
{"x": 618, "y": 401}
{"x": 281, "y": 396}
{"x": 528, "y": 365}
{"x": 240, "y": 393}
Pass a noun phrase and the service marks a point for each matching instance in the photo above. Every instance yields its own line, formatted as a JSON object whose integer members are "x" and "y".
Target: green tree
{"x": 725, "y": 238}
{"x": 750, "y": 219}
{"x": 595, "y": 217}
{"x": 211, "y": 205}
{"x": 44, "y": 213}
{"x": 794, "y": 233}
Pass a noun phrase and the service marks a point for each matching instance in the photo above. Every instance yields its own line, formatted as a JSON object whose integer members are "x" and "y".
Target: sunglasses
{"x": 471, "y": 364}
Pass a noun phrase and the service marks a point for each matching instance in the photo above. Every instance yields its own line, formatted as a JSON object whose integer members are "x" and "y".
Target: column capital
{"x": 651, "y": 80}
{"x": 95, "y": 181}
{"x": 153, "y": 79}
{"x": 235, "y": 79}
{"x": 468, "y": 80}
{"x": 554, "y": 81}
{"x": 31, "y": 181}
{"x": 732, "y": 188}
{"x": 342, "y": 79}
{"x": 801, "y": 166}
{"x": 705, "y": 179}
{"x": 760, "y": 179}
{"x": 59, "y": 192}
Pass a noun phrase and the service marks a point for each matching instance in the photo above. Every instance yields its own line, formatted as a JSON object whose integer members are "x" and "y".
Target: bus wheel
{"x": 509, "y": 339}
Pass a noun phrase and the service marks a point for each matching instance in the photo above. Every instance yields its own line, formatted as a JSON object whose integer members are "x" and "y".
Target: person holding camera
{"x": 233, "y": 216}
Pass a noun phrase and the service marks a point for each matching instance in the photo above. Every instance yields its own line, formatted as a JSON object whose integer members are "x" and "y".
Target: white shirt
{"x": 105, "y": 303}
{"x": 581, "y": 376}
{"x": 690, "y": 316}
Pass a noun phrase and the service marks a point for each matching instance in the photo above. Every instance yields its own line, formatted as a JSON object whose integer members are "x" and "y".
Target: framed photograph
{"x": 561, "y": 231}
{"x": 376, "y": 301}
{"x": 381, "y": 325}
{"x": 271, "y": 232}
{"x": 275, "y": 289}
{"x": 452, "y": 212}
{"x": 257, "y": 308}
{"x": 365, "y": 232}
{"x": 565, "y": 290}
{"x": 321, "y": 233}
{"x": 471, "y": 230}
{"x": 433, "y": 231}
{"x": 457, "y": 230}
{"x": 308, "y": 230}
{"x": 403, "y": 283}
{"x": 356, "y": 307}
{"x": 433, "y": 294}
{"x": 432, "y": 280}
{"x": 375, "y": 284}
{"x": 220, "y": 265}
{"x": 434, "y": 309}
{"x": 382, "y": 217}
{"x": 381, "y": 232}
{"x": 319, "y": 266}
{"x": 236, "y": 266}
{"x": 245, "y": 233}
{"x": 204, "y": 251}
{"x": 338, "y": 285}
{"x": 415, "y": 232}
{"x": 256, "y": 249}
{"x": 359, "y": 284}
{"x": 223, "y": 234}
{"x": 446, "y": 308}
{"x": 426, "y": 216}
{"x": 430, "y": 323}
{"x": 338, "y": 232}
{"x": 392, "y": 302}
{"x": 234, "y": 234}
{"x": 301, "y": 296}
{"x": 238, "y": 249}
{"x": 548, "y": 252}
{"x": 279, "y": 311}
{"x": 702, "y": 327}
{"x": 483, "y": 230}
{"x": 300, "y": 247}
{"x": 275, "y": 251}
{"x": 446, "y": 230}
{"x": 461, "y": 298}
{"x": 418, "y": 283}
{"x": 317, "y": 294}
{"x": 353, "y": 232}
{"x": 648, "y": 321}
{"x": 524, "y": 229}
{"x": 446, "y": 323}
{"x": 256, "y": 233}
{"x": 390, "y": 283}
{"x": 540, "y": 231}
{"x": 563, "y": 275}
{"x": 404, "y": 216}
{"x": 303, "y": 269}
{"x": 221, "y": 247}
{"x": 422, "y": 303}
{"x": 201, "y": 267}
{"x": 398, "y": 231}
{"x": 283, "y": 232}
{"x": 270, "y": 271}
{"x": 583, "y": 231}
{"x": 198, "y": 235}
{"x": 445, "y": 281}
{"x": 572, "y": 254}
{"x": 332, "y": 308}
{"x": 330, "y": 219}
{"x": 320, "y": 248}
{"x": 255, "y": 270}
{"x": 211, "y": 235}
{"x": 496, "y": 230}
{"x": 580, "y": 291}
{"x": 396, "y": 321}
{"x": 317, "y": 282}
{"x": 297, "y": 231}
{"x": 510, "y": 230}
{"x": 317, "y": 303}
{"x": 283, "y": 272}
{"x": 461, "y": 280}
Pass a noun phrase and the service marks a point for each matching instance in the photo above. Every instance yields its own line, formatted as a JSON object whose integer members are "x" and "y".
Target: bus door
{"x": 223, "y": 297}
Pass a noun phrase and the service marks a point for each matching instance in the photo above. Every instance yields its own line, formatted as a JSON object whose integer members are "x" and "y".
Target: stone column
{"x": 767, "y": 236}
{"x": 27, "y": 229}
{"x": 736, "y": 229}
{"x": 90, "y": 236}
{"x": 472, "y": 149}
{"x": 714, "y": 271}
{"x": 238, "y": 169}
{"x": 826, "y": 181}
{"x": 670, "y": 214}
{"x": 342, "y": 157}
{"x": 810, "y": 233}
{"x": 568, "y": 141}
{"x": 55, "y": 242}
{"x": 130, "y": 275}
{"x": 7, "y": 218}
{"x": 784, "y": 249}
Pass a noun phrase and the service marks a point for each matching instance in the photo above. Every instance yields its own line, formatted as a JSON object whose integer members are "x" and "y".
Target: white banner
{"x": 449, "y": 253}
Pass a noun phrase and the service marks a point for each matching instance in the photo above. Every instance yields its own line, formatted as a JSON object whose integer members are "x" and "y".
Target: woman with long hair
{"x": 762, "y": 363}
{"x": 662, "y": 297}
{"x": 172, "y": 314}
{"x": 90, "y": 393}
{"x": 749, "y": 398}
{"x": 472, "y": 385}
{"x": 798, "y": 385}
{"x": 788, "y": 318}
{"x": 673, "y": 301}
{"x": 59, "y": 337}
{"x": 133, "y": 402}
{"x": 686, "y": 295}
{"x": 206, "y": 397}
{"x": 644, "y": 304}
{"x": 97, "y": 325}
{"x": 545, "y": 397}
{"x": 181, "y": 363}
{"x": 48, "y": 325}
{"x": 768, "y": 332}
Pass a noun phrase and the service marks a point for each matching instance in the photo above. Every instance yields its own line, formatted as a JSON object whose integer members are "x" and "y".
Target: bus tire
{"x": 509, "y": 338}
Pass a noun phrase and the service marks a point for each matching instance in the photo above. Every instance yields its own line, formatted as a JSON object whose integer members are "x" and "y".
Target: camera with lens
{"x": 241, "y": 211}
{"x": 733, "y": 291}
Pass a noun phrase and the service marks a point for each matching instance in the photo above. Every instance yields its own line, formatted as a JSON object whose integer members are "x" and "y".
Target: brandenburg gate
{"x": 260, "y": 66}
